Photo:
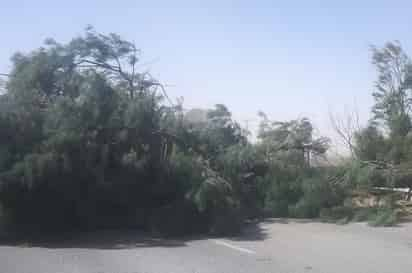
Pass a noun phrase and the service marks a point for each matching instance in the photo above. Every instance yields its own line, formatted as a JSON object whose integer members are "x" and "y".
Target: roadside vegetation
{"x": 88, "y": 141}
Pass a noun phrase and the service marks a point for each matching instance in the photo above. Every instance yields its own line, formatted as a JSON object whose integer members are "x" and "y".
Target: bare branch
{"x": 148, "y": 83}
{"x": 346, "y": 127}
{"x": 98, "y": 64}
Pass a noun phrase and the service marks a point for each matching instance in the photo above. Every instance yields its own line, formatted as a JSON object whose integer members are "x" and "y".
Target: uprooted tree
{"x": 89, "y": 141}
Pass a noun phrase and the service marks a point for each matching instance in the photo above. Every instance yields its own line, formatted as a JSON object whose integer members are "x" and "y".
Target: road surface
{"x": 277, "y": 246}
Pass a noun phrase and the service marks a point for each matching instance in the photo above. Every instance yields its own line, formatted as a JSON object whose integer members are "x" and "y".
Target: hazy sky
{"x": 286, "y": 58}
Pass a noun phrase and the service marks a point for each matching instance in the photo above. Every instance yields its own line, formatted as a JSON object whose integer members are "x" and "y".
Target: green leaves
{"x": 80, "y": 122}
{"x": 393, "y": 87}
{"x": 293, "y": 140}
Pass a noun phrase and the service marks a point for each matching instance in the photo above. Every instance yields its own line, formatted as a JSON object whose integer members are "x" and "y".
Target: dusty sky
{"x": 287, "y": 58}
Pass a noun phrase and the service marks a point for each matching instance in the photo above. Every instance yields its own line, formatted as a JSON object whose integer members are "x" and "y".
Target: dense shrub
{"x": 179, "y": 218}
{"x": 317, "y": 193}
{"x": 300, "y": 193}
{"x": 384, "y": 217}
{"x": 282, "y": 187}
{"x": 91, "y": 147}
{"x": 364, "y": 214}
{"x": 337, "y": 213}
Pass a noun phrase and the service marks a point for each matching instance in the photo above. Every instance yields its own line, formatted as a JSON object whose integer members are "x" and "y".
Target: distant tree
{"x": 393, "y": 88}
{"x": 370, "y": 144}
{"x": 216, "y": 133}
{"x": 294, "y": 137}
{"x": 2, "y": 86}
{"x": 196, "y": 116}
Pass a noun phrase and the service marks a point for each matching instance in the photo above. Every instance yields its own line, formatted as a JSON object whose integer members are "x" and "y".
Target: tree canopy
{"x": 88, "y": 140}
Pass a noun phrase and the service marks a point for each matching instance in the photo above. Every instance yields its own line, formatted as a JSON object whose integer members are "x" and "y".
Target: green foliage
{"x": 177, "y": 219}
{"x": 300, "y": 193}
{"x": 216, "y": 134}
{"x": 280, "y": 187}
{"x": 364, "y": 214}
{"x": 81, "y": 149}
{"x": 377, "y": 215}
{"x": 392, "y": 95}
{"x": 318, "y": 193}
{"x": 370, "y": 144}
{"x": 365, "y": 176}
{"x": 384, "y": 217}
{"x": 339, "y": 214}
{"x": 291, "y": 186}
{"x": 87, "y": 141}
{"x": 211, "y": 194}
{"x": 292, "y": 141}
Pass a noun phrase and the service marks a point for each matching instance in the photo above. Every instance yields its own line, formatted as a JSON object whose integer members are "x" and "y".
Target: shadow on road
{"x": 253, "y": 231}
{"x": 257, "y": 230}
{"x": 125, "y": 239}
{"x": 128, "y": 239}
{"x": 112, "y": 239}
{"x": 290, "y": 220}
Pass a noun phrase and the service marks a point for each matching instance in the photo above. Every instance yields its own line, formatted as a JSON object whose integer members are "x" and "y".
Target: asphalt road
{"x": 273, "y": 246}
